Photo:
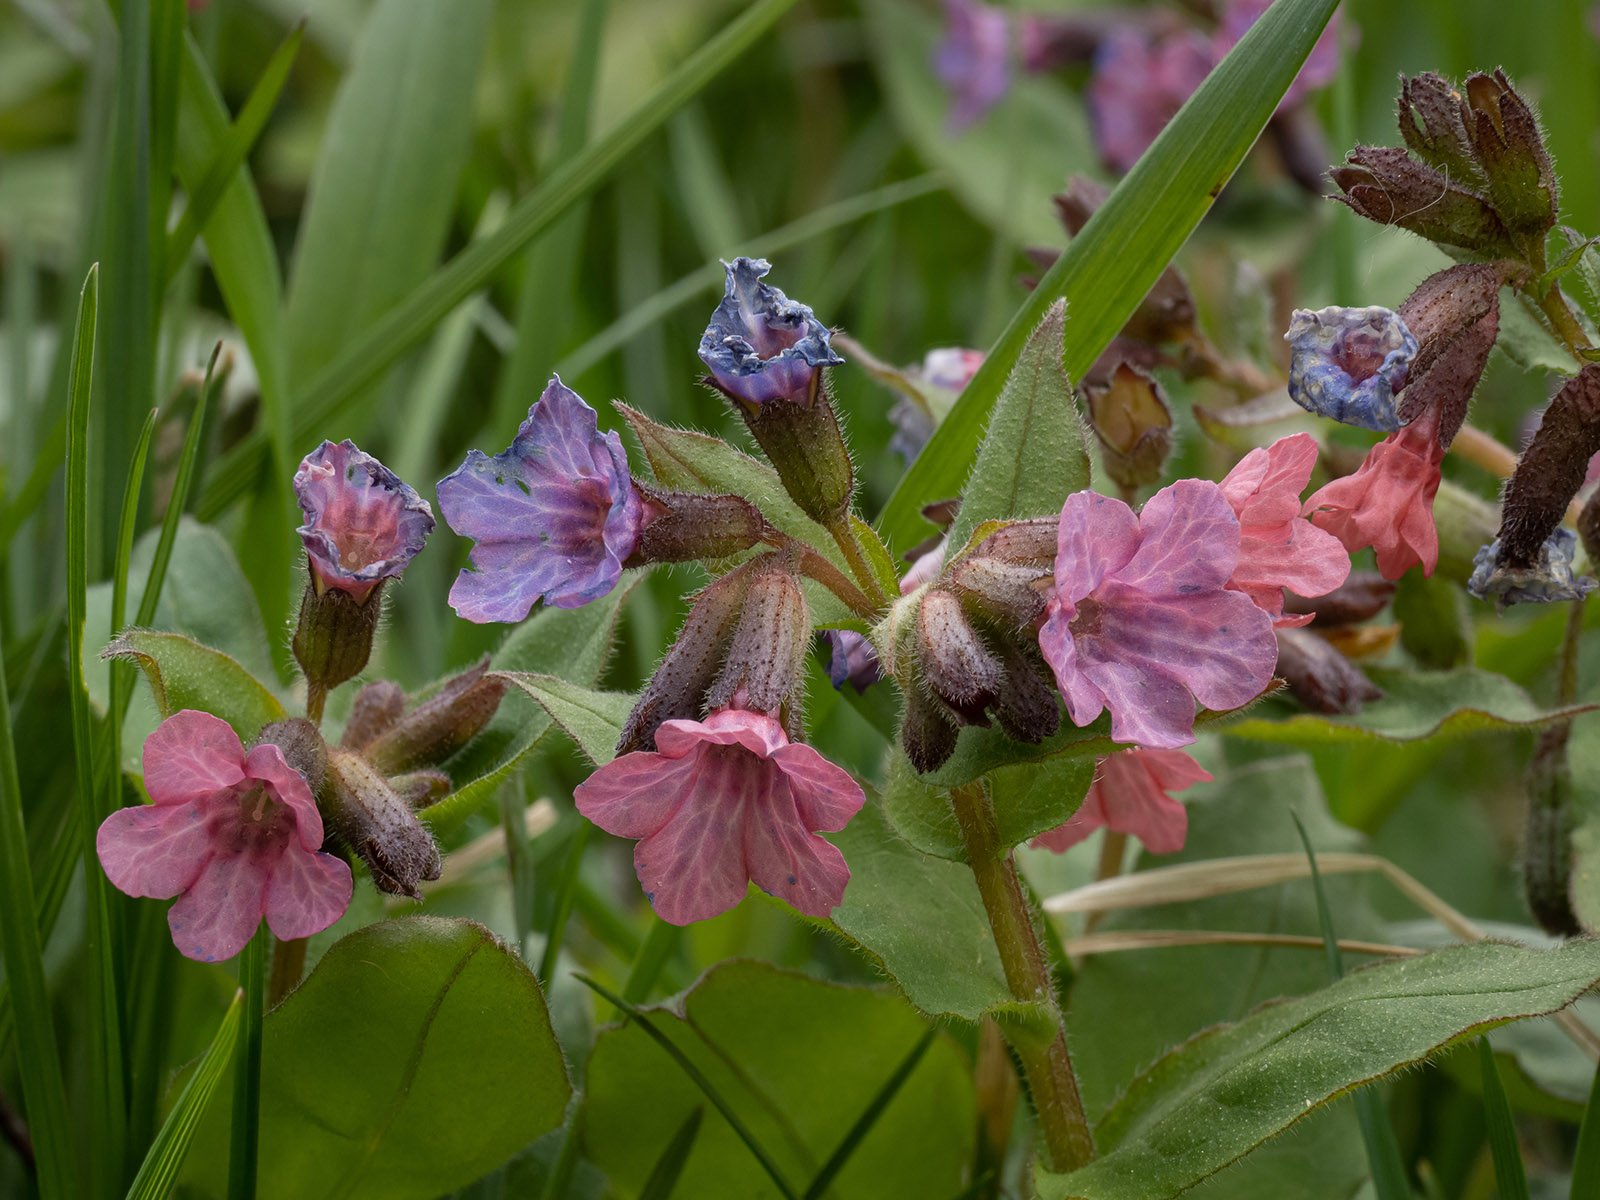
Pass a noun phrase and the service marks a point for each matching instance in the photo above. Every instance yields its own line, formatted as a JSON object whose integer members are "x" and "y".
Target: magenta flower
{"x": 1139, "y": 84}
{"x": 1321, "y": 65}
{"x": 761, "y": 345}
{"x": 974, "y": 59}
{"x": 725, "y": 802}
{"x": 1140, "y": 620}
{"x": 554, "y": 516}
{"x": 363, "y": 525}
{"x": 1348, "y": 363}
{"x": 235, "y": 836}
{"x": 1132, "y": 794}
{"x": 1279, "y": 548}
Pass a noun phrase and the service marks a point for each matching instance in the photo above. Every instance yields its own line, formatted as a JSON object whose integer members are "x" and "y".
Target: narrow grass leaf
{"x": 869, "y": 1117}
{"x": 669, "y": 1167}
{"x": 1586, "y": 1159}
{"x": 660, "y": 944}
{"x": 244, "y": 1142}
{"x": 1502, "y": 1130}
{"x": 561, "y": 908}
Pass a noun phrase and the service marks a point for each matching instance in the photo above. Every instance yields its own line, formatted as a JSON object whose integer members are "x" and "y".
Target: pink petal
{"x": 1264, "y": 488}
{"x": 635, "y": 795}
{"x": 756, "y": 732}
{"x": 1097, "y": 537}
{"x": 825, "y": 795}
{"x": 1310, "y": 562}
{"x": 1076, "y": 828}
{"x": 214, "y": 919}
{"x": 266, "y": 763}
{"x": 1171, "y": 770}
{"x": 191, "y": 755}
{"x": 787, "y": 861}
{"x": 154, "y": 850}
{"x": 1084, "y": 701}
{"x": 309, "y": 891}
{"x": 1148, "y": 708}
{"x": 1190, "y": 541}
{"x": 693, "y": 868}
{"x": 1155, "y": 818}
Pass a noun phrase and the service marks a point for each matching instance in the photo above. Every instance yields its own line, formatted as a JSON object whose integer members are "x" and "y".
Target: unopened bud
{"x": 1549, "y": 579}
{"x": 958, "y": 666}
{"x": 1386, "y": 185}
{"x": 1360, "y": 598}
{"x": 1547, "y": 848}
{"x": 683, "y": 527}
{"x": 419, "y": 789}
{"x": 441, "y": 725}
{"x": 333, "y": 639}
{"x": 928, "y": 731}
{"x": 1589, "y": 528}
{"x": 374, "y": 821}
{"x": 1551, "y": 470}
{"x": 767, "y": 651}
{"x": 1027, "y": 705}
{"x": 1011, "y": 595}
{"x": 302, "y": 746}
{"x": 1319, "y": 676}
{"x": 1433, "y": 117}
{"x": 1133, "y": 422}
{"x": 376, "y": 707}
{"x": 1508, "y": 147}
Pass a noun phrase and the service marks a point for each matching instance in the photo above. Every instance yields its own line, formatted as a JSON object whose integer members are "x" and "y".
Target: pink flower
{"x": 1139, "y": 84}
{"x": 363, "y": 523}
{"x": 1140, "y": 620}
{"x": 1131, "y": 793}
{"x": 1278, "y": 548}
{"x": 1320, "y": 67}
{"x": 721, "y": 803}
{"x": 235, "y": 836}
{"x": 1388, "y": 503}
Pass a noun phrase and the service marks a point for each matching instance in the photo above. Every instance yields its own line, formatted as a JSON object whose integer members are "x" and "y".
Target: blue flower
{"x": 1348, "y": 364}
{"x": 1546, "y": 581}
{"x": 761, "y": 345}
{"x": 363, "y": 523}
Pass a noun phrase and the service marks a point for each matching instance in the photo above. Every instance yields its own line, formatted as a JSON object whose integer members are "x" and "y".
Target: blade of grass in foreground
{"x": 372, "y": 353}
{"x": 1112, "y": 263}
{"x": 1508, "y": 1172}
{"x": 1586, "y": 1159}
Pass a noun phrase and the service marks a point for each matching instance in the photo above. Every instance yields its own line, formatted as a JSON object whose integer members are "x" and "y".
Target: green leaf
{"x": 1586, "y": 1159}
{"x": 1032, "y": 457}
{"x": 1112, "y": 263}
{"x": 979, "y": 751}
{"x": 664, "y": 1176}
{"x": 416, "y": 1056}
{"x": 800, "y": 1061}
{"x": 1416, "y": 705}
{"x": 592, "y": 719}
{"x": 182, "y": 673}
{"x": 1217, "y": 1097}
{"x": 1029, "y": 798}
{"x": 382, "y": 193}
{"x": 1507, "y": 1154}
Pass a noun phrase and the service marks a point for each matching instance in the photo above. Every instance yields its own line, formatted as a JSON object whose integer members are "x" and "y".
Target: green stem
{"x": 1554, "y": 306}
{"x": 837, "y": 582}
{"x": 244, "y": 1149}
{"x": 316, "y": 698}
{"x": 1047, "y": 1065}
{"x": 845, "y": 536}
{"x": 288, "y": 967}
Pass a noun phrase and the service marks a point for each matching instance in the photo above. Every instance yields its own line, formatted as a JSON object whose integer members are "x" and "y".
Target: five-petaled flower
{"x": 235, "y": 836}
{"x": 363, "y": 524}
{"x": 1348, "y": 363}
{"x": 721, "y": 803}
{"x": 1131, "y": 794}
{"x": 1388, "y": 503}
{"x": 1278, "y": 547}
{"x": 1140, "y": 620}
{"x": 554, "y": 516}
{"x": 761, "y": 345}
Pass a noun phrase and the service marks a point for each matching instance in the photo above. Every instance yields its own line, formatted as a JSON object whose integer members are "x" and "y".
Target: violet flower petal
{"x": 761, "y": 345}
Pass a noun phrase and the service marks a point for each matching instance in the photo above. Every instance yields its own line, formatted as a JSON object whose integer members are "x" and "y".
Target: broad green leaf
{"x": 1112, "y": 263}
{"x": 182, "y": 673}
{"x": 1416, "y": 705}
{"x": 592, "y": 719}
{"x": 1029, "y": 798}
{"x": 416, "y": 1056}
{"x": 1435, "y": 626}
{"x": 381, "y": 196}
{"x": 1032, "y": 456}
{"x": 979, "y": 751}
{"x": 1217, "y": 1097}
{"x": 1008, "y": 165}
{"x": 800, "y": 1060}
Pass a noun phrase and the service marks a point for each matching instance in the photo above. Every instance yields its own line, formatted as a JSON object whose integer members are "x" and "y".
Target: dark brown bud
{"x": 1433, "y": 122}
{"x": 1589, "y": 527}
{"x": 1547, "y": 844}
{"x": 1449, "y": 384}
{"x": 1551, "y": 469}
{"x": 302, "y": 746}
{"x": 1445, "y": 306}
{"x": 928, "y": 731}
{"x": 1027, "y": 706}
{"x": 1509, "y": 148}
{"x": 1319, "y": 676}
{"x": 956, "y": 663}
{"x": 376, "y": 707}
{"x": 1386, "y": 185}
{"x": 767, "y": 652}
{"x": 802, "y": 440}
{"x": 419, "y": 789}
{"x": 333, "y": 638}
{"x": 373, "y": 820}
{"x": 1133, "y": 423}
{"x": 680, "y": 527}
{"x": 440, "y": 725}
{"x": 1359, "y": 598}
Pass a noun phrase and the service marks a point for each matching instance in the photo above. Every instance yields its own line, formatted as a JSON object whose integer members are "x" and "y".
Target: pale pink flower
{"x": 1131, "y": 794}
{"x": 1278, "y": 547}
{"x": 1140, "y": 620}
{"x": 722, "y": 803}
{"x": 235, "y": 836}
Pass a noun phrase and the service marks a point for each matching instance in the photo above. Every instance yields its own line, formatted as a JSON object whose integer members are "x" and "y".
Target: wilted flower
{"x": 1388, "y": 503}
{"x": 1278, "y": 547}
{"x": 722, "y": 803}
{"x": 1348, "y": 363}
{"x": 1131, "y": 794}
{"x": 1139, "y": 84}
{"x": 851, "y": 660}
{"x": 761, "y": 345}
{"x": 1550, "y": 579}
{"x": 235, "y": 836}
{"x": 553, "y": 516}
{"x": 1140, "y": 620}
{"x": 363, "y": 525}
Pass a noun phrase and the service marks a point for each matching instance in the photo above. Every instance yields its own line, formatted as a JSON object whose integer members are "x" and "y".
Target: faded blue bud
{"x": 1348, "y": 363}
{"x": 761, "y": 345}
{"x": 852, "y": 660}
{"x": 1546, "y": 581}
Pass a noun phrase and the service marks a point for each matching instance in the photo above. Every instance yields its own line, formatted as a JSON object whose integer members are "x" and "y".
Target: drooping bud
{"x": 1360, "y": 598}
{"x": 928, "y": 730}
{"x": 1133, "y": 423}
{"x": 302, "y": 746}
{"x": 766, "y": 654}
{"x": 1026, "y": 706}
{"x": 1319, "y": 676}
{"x": 1549, "y": 579}
{"x": 956, "y": 663}
{"x": 851, "y": 660}
{"x": 1386, "y": 185}
{"x": 374, "y": 821}
{"x": 1589, "y": 527}
{"x": 440, "y": 725}
{"x": 1348, "y": 363}
{"x": 1508, "y": 147}
{"x": 377, "y": 706}
{"x": 419, "y": 789}
{"x": 1550, "y": 471}
{"x": 686, "y": 527}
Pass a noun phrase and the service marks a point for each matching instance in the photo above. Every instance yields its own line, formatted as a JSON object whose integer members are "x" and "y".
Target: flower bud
{"x": 302, "y": 746}
{"x": 1359, "y": 598}
{"x": 767, "y": 652}
{"x": 376, "y": 707}
{"x": 1348, "y": 363}
{"x": 1319, "y": 676}
{"x": 1547, "y": 844}
{"x": 1446, "y": 306}
{"x": 333, "y": 638}
{"x": 1027, "y": 705}
{"x": 419, "y": 789}
{"x": 928, "y": 731}
{"x": 1550, "y": 471}
{"x": 1433, "y": 118}
{"x": 1508, "y": 147}
{"x": 851, "y": 660}
{"x": 375, "y": 822}
{"x": 1009, "y": 594}
{"x": 1386, "y": 185}
{"x": 685, "y": 527}
{"x": 957, "y": 665}
{"x": 440, "y": 725}
{"x": 1589, "y": 527}
{"x": 1133, "y": 422}
{"x": 803, "y": 442}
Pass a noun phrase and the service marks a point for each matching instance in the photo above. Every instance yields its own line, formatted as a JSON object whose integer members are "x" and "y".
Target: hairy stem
{"x": 1567, "y": 327}
{"x": 316, "y": 697}
{"x": 859, "y": 567}
{"x": 1047, "y": 1065}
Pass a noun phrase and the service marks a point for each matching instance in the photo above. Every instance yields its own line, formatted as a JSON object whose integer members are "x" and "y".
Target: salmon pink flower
{"x": 722, "y": 803}
{"x": 1140, "y": 620}
{"x": 1132, "y": 794}
{"x": 554, "y": 516}
{"x": 363, "y": 525}
{"x": 1348, "y": 363}
{"x": 1278, "y": 547}
{"x": 761, "y": 345}
{"x": 1388, "y": 503}
{"x": 235, "y": 836}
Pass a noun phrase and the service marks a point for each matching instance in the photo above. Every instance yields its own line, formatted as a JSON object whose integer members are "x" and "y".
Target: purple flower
{"x": 554, "y": 516}
{"x": 363, "y": 525}
{"x": 1139, "y": 84}
{"x": 1140, "y": 620}
{"x": 974, "y": 60}
{"x": 852, "y": 660}
{"x": 1348, "y": 364}
{"x": 761, "y": 345}
{"x": 1321, "y": 65}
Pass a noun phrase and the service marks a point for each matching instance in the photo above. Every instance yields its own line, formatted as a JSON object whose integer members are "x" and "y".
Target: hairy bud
{"x": 333, "y": 639}
{"x": 957, "y": 665}
{"x": 373, "y": 820}
{"x": 802, "y": 440}
{"x": 1319, "y": 676}
{"x": 376, "y": 707}
{"x": 766, "y": 654}
{"x": 1133, "y": 423}
{"x": 1027, "y": 706}
{"x": 441, "y": 725}
{"x": 1433, "y": 122}
{"x": 302, "y": 746}
{"x": 419, "y": 789}
{"x": 1386, "y": 185}
{"x": 1510, "y": 150}
{"x": 1551, "y": 470}
{"x": 683, "y": 527}
{"x": 1547, "y": 844}
{"x": 928, "y": 731}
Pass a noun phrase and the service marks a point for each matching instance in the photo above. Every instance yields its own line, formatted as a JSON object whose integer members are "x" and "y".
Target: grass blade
{"x": 700, "y": 1081}
{"x": 660, "y": 944}
{"x": 1111, "y": 264}
{"x": 664, "y": 1175}
{"x": 563, "y": 903}
{"x": 166, "y": 1153}
{"x": 244, "y": 1146}
{"x": 240, "y": 140}
{"x": 1586, "y": 1159}
{"x": 1502, "y": 1130}
{"x": 121, "y": 673}
{"x": 368, "y": 355}
{"x": 869, "y": 1117}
